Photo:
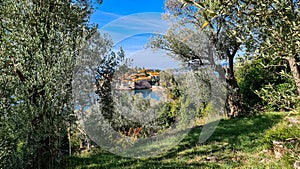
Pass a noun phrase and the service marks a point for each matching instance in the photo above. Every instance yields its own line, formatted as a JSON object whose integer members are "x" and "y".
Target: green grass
{"x": 236, "y": 143}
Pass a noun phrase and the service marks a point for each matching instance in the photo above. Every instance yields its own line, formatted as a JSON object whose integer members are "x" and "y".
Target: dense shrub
{"x": 270, "y": 87}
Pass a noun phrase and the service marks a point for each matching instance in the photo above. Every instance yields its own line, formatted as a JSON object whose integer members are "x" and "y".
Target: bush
{"x": 270, "y": 87}
{"x": 204, "y": 110}
{"x": 279, "y": 97}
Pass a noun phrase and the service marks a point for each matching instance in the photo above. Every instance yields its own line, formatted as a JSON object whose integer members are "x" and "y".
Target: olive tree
{"x": 225, "y": 33}
{"x": 278, "y": 24}
{"x": 40, "y": 41}
{"x": 271, "y": 29}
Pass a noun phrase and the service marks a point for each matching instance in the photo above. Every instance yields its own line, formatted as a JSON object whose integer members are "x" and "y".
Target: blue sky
{"x": 113, "y": 9}
{"x": 130, "y": 23}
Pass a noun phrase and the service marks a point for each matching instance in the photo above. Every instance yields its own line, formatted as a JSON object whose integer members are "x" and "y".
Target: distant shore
{"x": 158, "y": 88}
{"x": 154, "y": 88}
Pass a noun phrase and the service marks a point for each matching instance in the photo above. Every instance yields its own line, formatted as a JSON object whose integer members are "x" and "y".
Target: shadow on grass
{"x": 239, "y": 134}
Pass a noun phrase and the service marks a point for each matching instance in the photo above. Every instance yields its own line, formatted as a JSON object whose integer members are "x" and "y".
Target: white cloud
{"x": 103, "y": 13}
{"x": 140, "y": 23}
{"x": 149, "y": 58}
{"x": 132, "y": 32}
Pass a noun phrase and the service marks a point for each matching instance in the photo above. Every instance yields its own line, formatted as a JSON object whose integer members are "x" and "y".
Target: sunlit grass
{"x": 236, "y": 143}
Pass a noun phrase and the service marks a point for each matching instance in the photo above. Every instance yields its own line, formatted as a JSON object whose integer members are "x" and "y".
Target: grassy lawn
{"x": 236, "y": 143}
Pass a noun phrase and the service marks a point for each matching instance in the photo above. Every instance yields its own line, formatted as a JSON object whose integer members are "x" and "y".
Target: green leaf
{"x": 239, "y": 40}
{"x": 211, "y": 13}
{"x": 205, "y": 15}
{"x": 199, "y": 4}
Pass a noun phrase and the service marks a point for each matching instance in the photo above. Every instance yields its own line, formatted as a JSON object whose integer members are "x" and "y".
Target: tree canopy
{"x": 40, "y": 41}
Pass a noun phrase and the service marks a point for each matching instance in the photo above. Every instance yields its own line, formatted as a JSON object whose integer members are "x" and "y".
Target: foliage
{"x": 172, "y": 106}
{"x": 264, "y": 86}
{"x": 39, "y": 43}
{"x": 76, "y": 138}
{"x": 277, "y": 25}
{"x": 224, "y": 28}
{"x": 267, "y": 29}
{"x": 278, "y": 41}
{"x": 168, "y": 81}
{"x": 108, "y": 65}
{"x": 168, "y": 115}
{"x": 204, "y": 110}
{"x": 126, "y": 111}
{"x": 250, "y": 77}
{"x": 279, "y": 97}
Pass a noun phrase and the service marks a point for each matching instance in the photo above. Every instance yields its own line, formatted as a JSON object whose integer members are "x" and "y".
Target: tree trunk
{"x": 234, "y": 105}
{"x": 70, "y": 141}
{"x": 295, "y": 72}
